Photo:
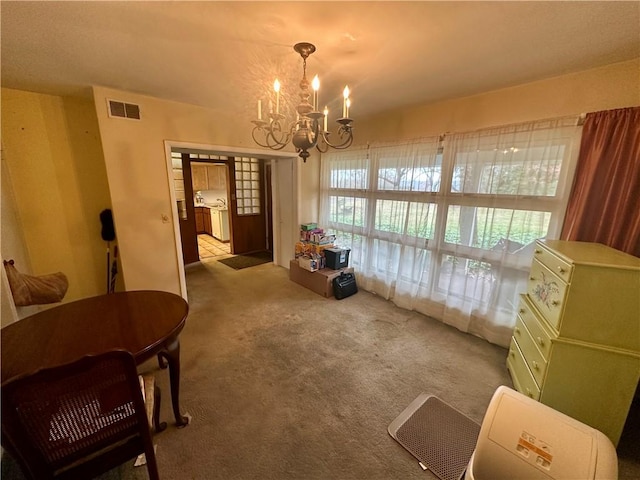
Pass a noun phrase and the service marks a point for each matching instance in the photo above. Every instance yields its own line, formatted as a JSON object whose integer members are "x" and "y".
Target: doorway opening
{"x": 224, "y": 204}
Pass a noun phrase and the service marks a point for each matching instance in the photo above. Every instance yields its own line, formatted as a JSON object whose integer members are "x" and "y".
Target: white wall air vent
{"x": 123, "y": 110}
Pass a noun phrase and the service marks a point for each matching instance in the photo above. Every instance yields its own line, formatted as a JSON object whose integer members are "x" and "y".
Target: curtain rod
{"x": 577, "y": 118}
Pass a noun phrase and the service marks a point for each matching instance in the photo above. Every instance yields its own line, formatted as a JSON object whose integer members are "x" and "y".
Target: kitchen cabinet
{"x": 207, "y": 223}
{"x": 576, "y": 344}
{"x": 199, "y": 220}
{"x": 209, "y": 177}
{"x": 199, "y": 177}
{"x": 203, "y": 220}
{"x": 220, "y": 224}
{"x": 217, "y": 177}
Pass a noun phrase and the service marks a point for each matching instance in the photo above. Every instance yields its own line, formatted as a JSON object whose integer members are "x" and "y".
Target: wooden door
{"x": 268, "y": 207}
{"x": 188, "y": 235}
{"x": 247, "y": 206}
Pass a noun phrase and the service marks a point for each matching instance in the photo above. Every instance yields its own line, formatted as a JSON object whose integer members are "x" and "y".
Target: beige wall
{"x": 13, "y": 248}
{"x": 136, "y": 163}
{"x": 56, "y": 176}
{"x": 613, "y": 86}
{"x": 309, "y": 189}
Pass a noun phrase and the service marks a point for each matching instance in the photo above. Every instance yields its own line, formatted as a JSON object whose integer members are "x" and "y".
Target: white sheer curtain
{"x": 445, "y": 226}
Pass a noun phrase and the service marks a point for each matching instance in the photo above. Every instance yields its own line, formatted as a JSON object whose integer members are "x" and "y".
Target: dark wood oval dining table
{"x": 147, "y": 323}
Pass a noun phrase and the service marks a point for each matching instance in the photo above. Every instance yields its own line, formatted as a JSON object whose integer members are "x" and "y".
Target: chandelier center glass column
{"x": 310, "y": 127}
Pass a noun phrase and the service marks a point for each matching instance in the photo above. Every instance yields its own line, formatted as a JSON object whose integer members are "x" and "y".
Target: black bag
{"x": 344, "y": 285}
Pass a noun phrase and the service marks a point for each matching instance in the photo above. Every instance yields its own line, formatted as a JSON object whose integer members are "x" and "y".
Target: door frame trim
{"x": 224, "y": 150}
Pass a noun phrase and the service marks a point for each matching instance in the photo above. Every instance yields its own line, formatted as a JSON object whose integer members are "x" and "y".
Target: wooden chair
{"x": 78, "y": 420}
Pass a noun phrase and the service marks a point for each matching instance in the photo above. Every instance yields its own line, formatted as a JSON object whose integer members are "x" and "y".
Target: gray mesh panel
{"x": 442, "y": 438}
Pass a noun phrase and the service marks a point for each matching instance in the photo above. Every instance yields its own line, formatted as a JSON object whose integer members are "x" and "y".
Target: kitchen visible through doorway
{"x": 209, "y": 247}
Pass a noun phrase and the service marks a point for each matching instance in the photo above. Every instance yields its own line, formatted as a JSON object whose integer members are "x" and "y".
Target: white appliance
{"x": 521, "y": 438}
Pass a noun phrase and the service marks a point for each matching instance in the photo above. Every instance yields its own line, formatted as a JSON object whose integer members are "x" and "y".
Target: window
{"x": 446, "y": 225}
{"x": 247, "y": 185}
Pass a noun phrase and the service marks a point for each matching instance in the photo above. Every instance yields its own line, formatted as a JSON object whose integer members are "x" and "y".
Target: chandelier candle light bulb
{"x": 345, "y": 108}
{"x": 306, "y": 131}
{"x": 276, "y": 87}
{"x": 315, "y": 84}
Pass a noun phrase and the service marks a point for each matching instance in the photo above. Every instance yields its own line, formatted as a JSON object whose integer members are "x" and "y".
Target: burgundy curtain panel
{"x": 604, "y": 205}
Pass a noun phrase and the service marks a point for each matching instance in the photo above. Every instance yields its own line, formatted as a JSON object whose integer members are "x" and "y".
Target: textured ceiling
{"x": 225, "y": 55}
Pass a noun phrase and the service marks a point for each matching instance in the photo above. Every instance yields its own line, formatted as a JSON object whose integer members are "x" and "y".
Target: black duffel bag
{"x": 344, "y": 285}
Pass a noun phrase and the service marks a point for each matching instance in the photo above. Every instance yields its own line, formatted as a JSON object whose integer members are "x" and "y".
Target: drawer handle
{"x": 535, "y": 365}
{"x": 561, "y": 270}
{"x": 532, "y": 278}
{"x": 512, "y": 353}
{"x": 517, "y": 330}
{"x": 522, "y": 310}
{"x": 555, "y": 303}
{"x": 541, "y": 341}
{"x": 537, "y": 251}
{"x": 529, "y": 392}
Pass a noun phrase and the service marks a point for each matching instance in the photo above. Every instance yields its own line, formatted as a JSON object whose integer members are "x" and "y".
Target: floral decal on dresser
{"x": 545, "y": 290}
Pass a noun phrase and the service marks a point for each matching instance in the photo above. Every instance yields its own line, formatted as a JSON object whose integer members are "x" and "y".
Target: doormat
{"x": 439, "y": 436}
{"x": 238, "y": 262}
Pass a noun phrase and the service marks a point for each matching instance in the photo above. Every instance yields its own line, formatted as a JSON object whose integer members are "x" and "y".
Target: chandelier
{"x": 307, "y": 131}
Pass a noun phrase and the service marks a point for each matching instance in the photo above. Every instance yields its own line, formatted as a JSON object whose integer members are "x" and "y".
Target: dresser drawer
{"x": 538, "y": 332}
{"x": 547, "y": 292}
{"x": 523, "y": 381}
{"x": 560, "y": 267}
{"x": 532, "y": 356}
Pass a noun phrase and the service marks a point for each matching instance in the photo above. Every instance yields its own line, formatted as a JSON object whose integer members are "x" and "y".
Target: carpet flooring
{"x": 283, "y": 383}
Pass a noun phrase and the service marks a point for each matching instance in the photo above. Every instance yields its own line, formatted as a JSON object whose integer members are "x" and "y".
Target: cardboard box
{"x": 308, "y": 263}
{"x": 319, "y": 281}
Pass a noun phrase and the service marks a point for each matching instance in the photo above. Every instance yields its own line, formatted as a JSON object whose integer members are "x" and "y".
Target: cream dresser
{"x": 576, "y": 344}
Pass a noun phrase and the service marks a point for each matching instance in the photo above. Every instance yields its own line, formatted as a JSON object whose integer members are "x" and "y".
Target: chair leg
{"x": 157, "y": 396}
{"x": 152, "y": 463}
